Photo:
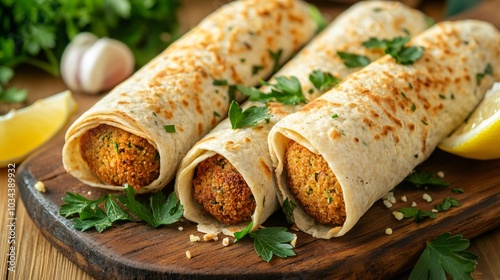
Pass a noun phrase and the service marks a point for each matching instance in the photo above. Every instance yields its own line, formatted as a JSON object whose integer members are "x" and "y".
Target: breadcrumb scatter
{"x": 413, "y": 204}
{"x": 427, "y": 197}
{"x": 180, "y": 228}
{"x": 40, "y": 186}
{"x": 434, "y": 210}
{"x": 398, "y": 215}
{"x": 440, "y": 174}
{"x": 403, "y": 198}
{"x": 210, "y": 236}
{"x": 188, "y": 255}
{"x": 194, "y": 238}
{"x": 388, "y": 231}
{"x": 225, "y": 241}
{"x": 89, "y": 192}
{"x": 387, "y": 203}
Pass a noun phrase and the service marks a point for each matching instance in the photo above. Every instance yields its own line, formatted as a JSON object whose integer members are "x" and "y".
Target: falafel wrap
{"x": 226, "y": 180}
{"x": 139, "y": 132}
{"x": 345, "y": 150}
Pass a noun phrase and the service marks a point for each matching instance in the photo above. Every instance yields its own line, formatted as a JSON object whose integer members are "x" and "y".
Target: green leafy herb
{"x": 447, "y": 203}
{"x": 397, "y": 49}
{"x": 334, "y": 116}
{"x": 169, "y": 128}
{"x": 219, "y": 82}
{"x": 417, "y": 214}
{"x": 317, "y": 17}
{"x": 250, "y": 117}
{"x": 353, "y": 60}
{"x": 284, "y": 90}
{"x": 269, "y": 241}
{"x": 421, "y": 179}
{"x": 256, "y": 69}
{"x": 36, "y": 32}
{"x": 487, "y": 71}
{"x": 160, "y": 211}
{"x": 276, "y": 56}
{"x": 446, "y": 255}
{"x": 323, "y": 81}
{"x": 288, "y": 207}
{"x": 457, "y": 190}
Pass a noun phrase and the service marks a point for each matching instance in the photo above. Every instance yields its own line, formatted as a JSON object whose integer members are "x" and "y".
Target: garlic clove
{"x": 72, "y": 56}
{"x": 105, "y": 64}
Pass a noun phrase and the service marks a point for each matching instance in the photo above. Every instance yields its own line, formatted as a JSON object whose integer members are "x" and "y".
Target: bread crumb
{"x": 398, "y": 215}
{"x": 180, "y": 228}
{"x": 225, "y": 241}
{"x": 403, "y": 198}
{"x": 194, "y": 238}
{"x": 188, "y": 255}
{"x": 413, "y": 204}
{"x": 294, "y": 241}
{"x": 387, "y": 203}
{"x": 388, "y": 231}
{"x": 434, "y": 210}
{"x": 427, "y": 197}
{"x": 89, "y": 192}
{"x": 210, "y": 236}
{"x": 440, "y": 174}
{"x": 40, "y": 186}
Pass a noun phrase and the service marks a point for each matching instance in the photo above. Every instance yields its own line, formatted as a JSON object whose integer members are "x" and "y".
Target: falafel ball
{"x": 222, "y": 191}
{"x": 118, "y": 157}
{"x": 314, "y": 185}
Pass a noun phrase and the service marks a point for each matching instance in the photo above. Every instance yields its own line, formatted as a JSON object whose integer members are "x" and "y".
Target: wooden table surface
{"x": 36, "y": 258}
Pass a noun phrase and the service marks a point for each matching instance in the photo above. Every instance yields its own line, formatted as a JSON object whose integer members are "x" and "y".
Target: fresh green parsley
{"x": 446, "y": 255}
{"x": 317, "y": 17}
{"x": 417, "y": 214}
{"x": 276, "y": 56}
{"x": 221, "y": 82}
{"x": 334, "y": 116}
{"x": 169, "y": 128}
{"x": 249, "y": 117}
{"x": 256, "y": 69}
{"x": 457, "y": 190}
{"x": 286, "y": 90}
{"x": 288, "y": 207}
{"x": 422, "y": 179}
{"x": 323, "y": 81}
{"x": 159, "y": 211}
{"x": 269, "y": 241}
{"x": 397, "y": 49}
{"x": 487, "y": 71}
{"x": 447, "y": 203}
{"x": 353, "y": 60}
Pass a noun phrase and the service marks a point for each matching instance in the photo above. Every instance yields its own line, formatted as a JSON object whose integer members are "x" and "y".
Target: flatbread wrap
{"x": 226, "y": 180}
{"x": 345, "y": 150}
{"x": 138, "y": 133}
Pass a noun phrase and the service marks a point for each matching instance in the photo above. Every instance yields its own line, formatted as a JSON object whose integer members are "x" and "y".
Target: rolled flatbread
{"x": 345, "y": 150}
{"x": 139, "y": 132}
{"x": 227, "y": 178}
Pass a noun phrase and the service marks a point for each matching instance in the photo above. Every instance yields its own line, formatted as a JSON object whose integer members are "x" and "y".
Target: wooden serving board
{"x": 136, "y": 251}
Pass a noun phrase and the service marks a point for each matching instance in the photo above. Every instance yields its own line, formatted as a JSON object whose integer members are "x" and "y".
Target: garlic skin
{"x": 92, "y": 65}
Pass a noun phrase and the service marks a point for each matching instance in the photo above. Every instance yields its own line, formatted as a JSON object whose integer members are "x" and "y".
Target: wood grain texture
{"x": 38, "y": 259}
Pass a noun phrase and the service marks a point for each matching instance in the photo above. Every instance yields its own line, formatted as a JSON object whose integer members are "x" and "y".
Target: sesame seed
{"x": 427, "y": 197}
{"x": 188, "y": 255}
{"x": 388, "y": 231}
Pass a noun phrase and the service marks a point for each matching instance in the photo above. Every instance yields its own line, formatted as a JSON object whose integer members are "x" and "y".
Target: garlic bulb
{"x": 91, "y": 65}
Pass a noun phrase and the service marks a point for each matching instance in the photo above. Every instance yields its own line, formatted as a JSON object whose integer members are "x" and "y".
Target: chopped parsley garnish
{"x": 487, "y": 71}
{"x": 397, "y": 49}
{"x": 457, "y": 190}
{"x": 445, "y": 255}
{"x": 275, "y": 56}
{"x": 404, "y": 95}
{"x": 422, "y": 179}
{"x": 219, "y": 82}
{"x": 284, "y": 90}
{"x": 269, "y": 241}
{"x": 169, "y": 128}
{"x": 159, "y": 211}
{"x": 288, "y": 207}
{"x": 353, "y": 60}
{"x": 317, "y": 17}
{"x": 323, "y": 81}
{"x": 424, "y": 122}
{"x": 413, "y": 107}
{"x": 256, "y": 69}
{"x": 216, "y": 114}
{"x": 417, "y": 214}
{"x": 13, "y": 95}
{"x": 334, "y": 116}
{"x": 250, "y": 117}
{"x": 447, "y": 203}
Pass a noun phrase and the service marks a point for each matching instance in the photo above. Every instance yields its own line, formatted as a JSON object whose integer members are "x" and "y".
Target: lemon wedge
{"x": 479, "y": 136}
{"x": 24, "y": 130}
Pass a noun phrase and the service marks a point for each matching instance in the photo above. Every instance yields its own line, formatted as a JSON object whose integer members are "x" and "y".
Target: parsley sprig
{"x": 159, "y": 211}
{"x": 423, "y": 179}
{"x": 353, "y": 60}
{"x": 417, "y": 214}
{"x": 323, "y": 81}
{"x": 250, "y": 117}
{"x": 286, "y": 90}
{"x": 446, "y": 255}
{"x": 397, "y": 49}
{"x": 269, "y": 241}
